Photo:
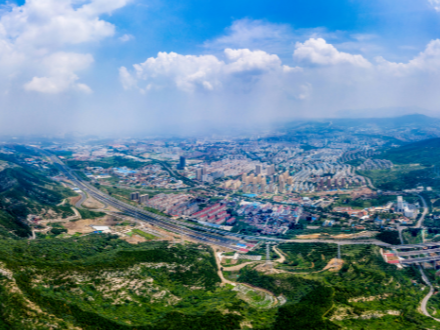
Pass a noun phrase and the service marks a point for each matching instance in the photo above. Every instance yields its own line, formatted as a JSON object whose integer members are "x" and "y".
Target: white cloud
{"x": 252, "y": 34}
{"x": 318, "y": 51}
{"x": 245, "y": 83}
{"x": 435, "y": 4}
{"x": 305, "y": 91}
{"x": 204, "y": 72}
{"x": 244, "y": 60}
{"x": 34, "y": 38}
{"x": 426, "y": 61}
{"x": 126, "y": 37}
{"x": 61, "y": 67}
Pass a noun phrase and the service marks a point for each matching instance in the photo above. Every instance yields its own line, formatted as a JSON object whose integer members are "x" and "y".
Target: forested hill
{"x": 426, "y": 152}
{"x": 24, "y": 191}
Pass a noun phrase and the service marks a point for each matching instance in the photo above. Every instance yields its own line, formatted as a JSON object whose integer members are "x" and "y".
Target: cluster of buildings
{"x": 268, "y": 218}
{"x": 174, "y": 204}
{"x": 407, "y": 209}
{"x": 357, "y": 153}
{"x": 151, "y": 176}
{"x": 405, "y": 213}
{"x": 141, "y": 199}
{"x": 376, "y": 164}
{"x": 36, "y": 162}
{"x": 308, "y": 178}
{"x": 228, "y": 167}
{"x": 214, "y": 214}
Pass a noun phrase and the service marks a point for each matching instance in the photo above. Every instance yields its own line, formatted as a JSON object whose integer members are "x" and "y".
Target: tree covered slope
{"x": 24, "y": 191}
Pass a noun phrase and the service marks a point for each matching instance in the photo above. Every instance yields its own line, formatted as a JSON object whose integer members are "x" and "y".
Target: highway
{"x": 143, "y": 215}
{"x": 415, "y": 253}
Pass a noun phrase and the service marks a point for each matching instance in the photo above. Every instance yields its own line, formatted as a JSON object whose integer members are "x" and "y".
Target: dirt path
{"x": 219, "y": 269}
{"x": 240, "y": 266}
{"x": 424, "y": 302}
{"x": 225, "y": 281}
{"x": 282, "y": 257}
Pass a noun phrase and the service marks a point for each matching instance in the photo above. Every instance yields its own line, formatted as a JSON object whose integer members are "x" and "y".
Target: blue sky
{"x": 183, "y": 26}
{"x": 147, "y": 66}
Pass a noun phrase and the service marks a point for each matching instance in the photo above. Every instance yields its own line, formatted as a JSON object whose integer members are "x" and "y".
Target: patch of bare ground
{"x": 92, "y": 203}
{"x": 370, "y": 298}
{"x": 134, "y": 239}
{"x": 334, "y": 265}
{"x": 346, "y": 312}
{"x": 311, "y": 236}
{"x": 74, "y": 200}
{"x": 83, "y": 226}
{"x": 268, "y": 269}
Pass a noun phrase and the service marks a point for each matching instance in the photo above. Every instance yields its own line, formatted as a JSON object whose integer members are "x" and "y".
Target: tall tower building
{"x": 258, "y": 169}
{"x": 182, "y": 163}
{"x": 399, "y": 204}
{"x": 199, "y": 174}
{"x": 281, "y": 184}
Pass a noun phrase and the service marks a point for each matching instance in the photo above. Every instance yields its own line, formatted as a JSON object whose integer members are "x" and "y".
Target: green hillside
{"x": 101, "y": 282}
{"x": 24, "y": 191}
{"x": 415, "y": 164}
{"x": 426, "y": 152}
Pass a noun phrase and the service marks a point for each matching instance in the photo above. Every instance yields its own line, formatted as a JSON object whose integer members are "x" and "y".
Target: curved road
{"x": 430, "y": 293}
{"x": 425, "y": 211}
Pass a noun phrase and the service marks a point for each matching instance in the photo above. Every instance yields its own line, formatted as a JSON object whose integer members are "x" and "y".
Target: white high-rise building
{"x": 270, "y": 170}
{"x": 400, "y": 205}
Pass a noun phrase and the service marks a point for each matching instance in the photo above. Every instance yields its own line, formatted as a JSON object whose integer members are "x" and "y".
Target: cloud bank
{"x": 37, "y": 41}
{"x": 318, "y": 80}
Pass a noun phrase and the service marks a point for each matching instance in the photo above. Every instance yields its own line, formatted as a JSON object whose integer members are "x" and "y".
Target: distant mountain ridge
{"x": 406, "y": 120}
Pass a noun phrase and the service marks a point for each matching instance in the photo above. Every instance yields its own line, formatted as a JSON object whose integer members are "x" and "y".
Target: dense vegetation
{"x": 388, "y": 236}
{"x": 403, "y": 177}
{"x": 88, "y": 214}
{"x": 101, "y": 282}
{"x": 417, "y": 165}
{"x": 426, "y": 152}
{"x": 365, "y": 293}
{"x": 24, "y": 191}
{"x": 381, "y": 200}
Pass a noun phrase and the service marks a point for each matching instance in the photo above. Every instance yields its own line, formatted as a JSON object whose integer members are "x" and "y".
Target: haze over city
{"x": 120, "y": 66}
